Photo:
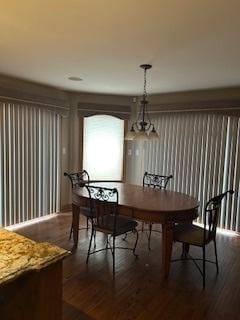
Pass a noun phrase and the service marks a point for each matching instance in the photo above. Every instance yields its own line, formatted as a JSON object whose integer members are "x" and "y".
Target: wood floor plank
{"x": 138, "y": 291}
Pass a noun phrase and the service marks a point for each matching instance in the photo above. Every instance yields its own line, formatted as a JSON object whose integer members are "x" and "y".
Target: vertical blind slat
{"x": 29, "y": 163}
{"x": 202, "y": 151}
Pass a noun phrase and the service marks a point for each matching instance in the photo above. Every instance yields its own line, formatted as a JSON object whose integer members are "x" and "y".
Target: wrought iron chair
{"x": 105, "y": 219}
{"x": 154, "y": 181}
{"x": 190, "y": 234}
{"x": 78, "y": 180}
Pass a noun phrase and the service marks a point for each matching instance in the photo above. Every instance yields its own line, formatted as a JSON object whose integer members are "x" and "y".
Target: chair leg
{"x": 125, "y": 237}
{"x": 216, "y": 256}
{"x": 135, "y": 246}
{"x": 185, "y": 250}
{"x": 183, "y": 255}
{"x": 71, "y": 231}
{"x": 107, "y": 244}
{"x": 204, "y": 267}
{"x": 90, "y": 244}
{"x": 149, "y": 236}
{"x": 113, "y": 255}
{"x": 95, "y": 239}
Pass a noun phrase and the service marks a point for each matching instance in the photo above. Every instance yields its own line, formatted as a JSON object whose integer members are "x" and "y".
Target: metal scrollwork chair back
{"x": 104, "y": 202}
{"x": 190, "y": 234}
{"x": 106, "y": 219}
{"x": 154, "y": 181}
{"x": 211, "y": 216}
{"x": 78, "y": 180}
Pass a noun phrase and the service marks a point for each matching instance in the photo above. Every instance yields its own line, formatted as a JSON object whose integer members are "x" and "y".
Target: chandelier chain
{"x": 145, "y": 84}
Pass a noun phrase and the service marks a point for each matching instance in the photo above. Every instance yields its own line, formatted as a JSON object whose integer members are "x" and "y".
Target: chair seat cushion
{"x": 190, "y": 233}
{"x": 123, "y": 225}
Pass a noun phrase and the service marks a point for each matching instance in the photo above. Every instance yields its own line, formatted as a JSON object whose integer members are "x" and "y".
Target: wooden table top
{"x": 138, "y": 198}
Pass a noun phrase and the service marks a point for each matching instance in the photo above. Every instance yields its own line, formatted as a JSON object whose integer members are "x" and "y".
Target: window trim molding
{"x": 81, "y": 133}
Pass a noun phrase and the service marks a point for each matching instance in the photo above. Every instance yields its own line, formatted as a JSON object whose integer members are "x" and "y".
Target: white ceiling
{"x": 192, "y": 44}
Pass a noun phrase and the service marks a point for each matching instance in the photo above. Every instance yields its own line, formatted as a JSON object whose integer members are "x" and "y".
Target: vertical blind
{"x": 202, "y": 151}
{"x": 103, "y": 139}
{"x": 29, "y": 163}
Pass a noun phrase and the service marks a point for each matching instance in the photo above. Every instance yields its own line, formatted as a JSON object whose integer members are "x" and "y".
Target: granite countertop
{"x": 19, "y": 255}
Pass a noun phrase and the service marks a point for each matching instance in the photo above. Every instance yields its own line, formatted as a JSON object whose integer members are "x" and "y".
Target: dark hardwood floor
{"x": 138, "y": 291}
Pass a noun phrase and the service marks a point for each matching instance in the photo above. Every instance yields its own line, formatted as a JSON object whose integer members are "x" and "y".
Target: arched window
{"x": 103, "y": 138}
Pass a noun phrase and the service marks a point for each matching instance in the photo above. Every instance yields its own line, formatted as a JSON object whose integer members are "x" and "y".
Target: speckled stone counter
{"x": 30, "y": 278}
{"x": 19, "y": 255}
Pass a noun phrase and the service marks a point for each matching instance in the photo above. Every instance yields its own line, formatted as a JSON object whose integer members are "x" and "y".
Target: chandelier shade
{"x": 143, "y": 129}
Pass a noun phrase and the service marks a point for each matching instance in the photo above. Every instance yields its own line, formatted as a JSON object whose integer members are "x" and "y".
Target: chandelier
{"x": 143, "y": 129}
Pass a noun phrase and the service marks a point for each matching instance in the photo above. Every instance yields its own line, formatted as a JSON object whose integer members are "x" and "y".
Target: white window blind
{"x": 202, "y": 151}
{"x": 103, "y": 147}
{"x": 29, "y": 163}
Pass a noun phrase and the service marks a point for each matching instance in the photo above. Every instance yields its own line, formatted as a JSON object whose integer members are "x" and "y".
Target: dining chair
{"x": 105, "y": 219}
{"x": 154, "y": 181}
{"x": 78, "y": 180}
{"x": 192, "y": 235}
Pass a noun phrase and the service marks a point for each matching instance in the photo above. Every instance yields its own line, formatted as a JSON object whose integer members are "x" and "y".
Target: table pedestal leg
{"x": 75, "y": 221}
{"x": 167, "y": 240}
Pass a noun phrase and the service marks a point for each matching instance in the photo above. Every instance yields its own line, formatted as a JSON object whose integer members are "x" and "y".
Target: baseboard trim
{"x": 66, "y": 208}
{"x": 32, "y": 221}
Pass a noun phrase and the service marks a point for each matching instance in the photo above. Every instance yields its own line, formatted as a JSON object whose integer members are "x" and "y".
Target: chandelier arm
{"x": 136, "y": 126}
{"x": 148, "y": 126}
{"x": 139, "y": 115}
{"x": 149, "y": 120}
{"x": 143, "y": 123}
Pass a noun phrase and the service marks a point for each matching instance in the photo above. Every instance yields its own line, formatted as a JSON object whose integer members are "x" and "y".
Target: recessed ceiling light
{"x": 75, "y": 79}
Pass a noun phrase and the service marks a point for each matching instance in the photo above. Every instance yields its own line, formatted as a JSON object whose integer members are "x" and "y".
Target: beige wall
{"x": 224, "y": 101}
{"x": 26, "y": 90}
{"x": 65, "y": 162}
{"x": 220, "y": 100}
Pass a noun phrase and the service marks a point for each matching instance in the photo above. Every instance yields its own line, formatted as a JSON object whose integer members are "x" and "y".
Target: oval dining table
{"x": 145, "y": 204}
